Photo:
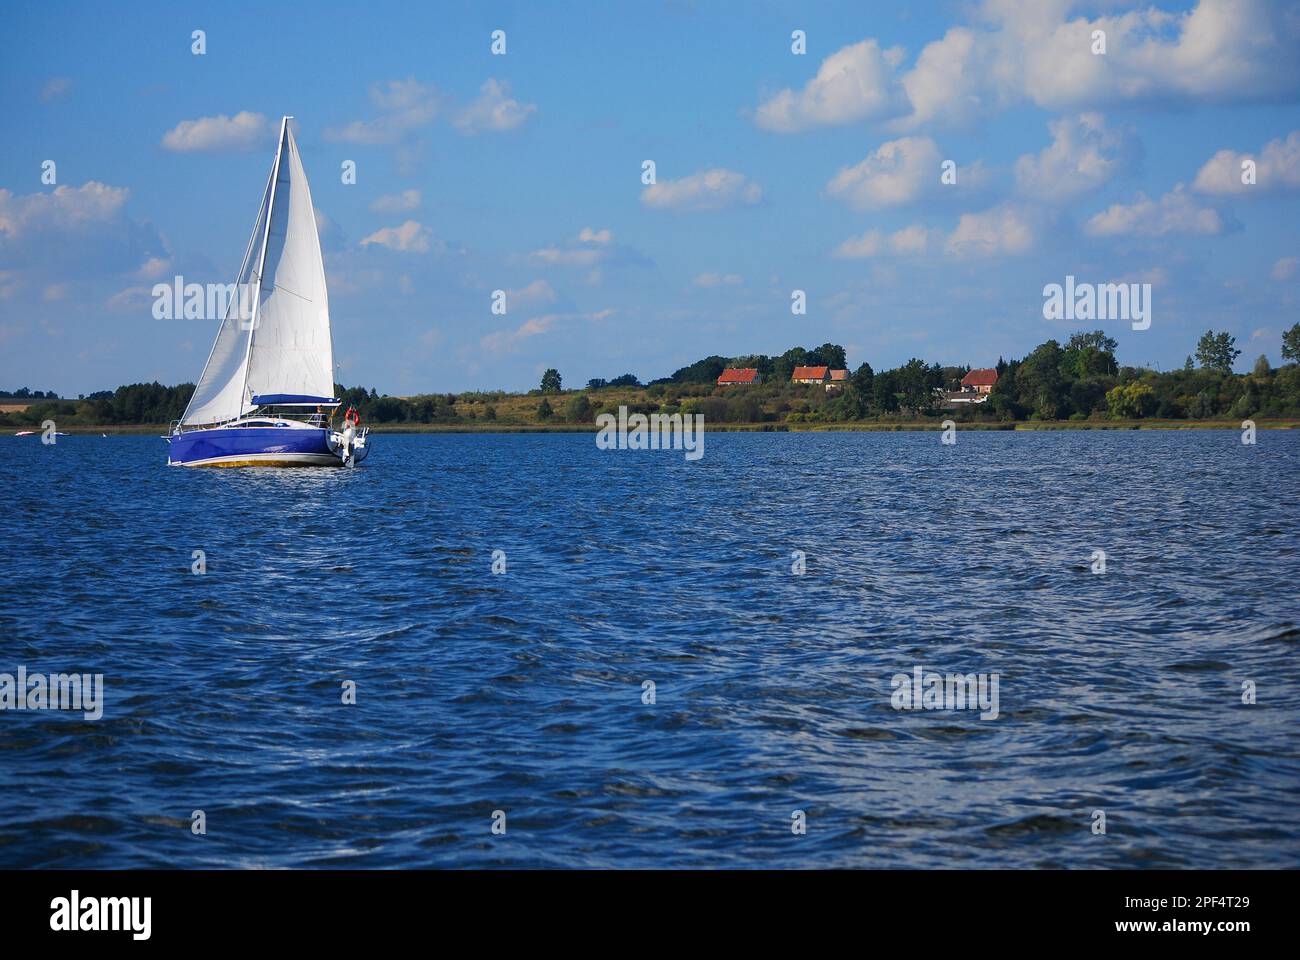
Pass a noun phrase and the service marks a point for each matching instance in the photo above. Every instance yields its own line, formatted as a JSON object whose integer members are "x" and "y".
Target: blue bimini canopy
{"x": 291, "y": 400}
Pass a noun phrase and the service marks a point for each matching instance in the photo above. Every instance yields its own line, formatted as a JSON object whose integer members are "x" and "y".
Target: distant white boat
{"x": 266, "y": 395}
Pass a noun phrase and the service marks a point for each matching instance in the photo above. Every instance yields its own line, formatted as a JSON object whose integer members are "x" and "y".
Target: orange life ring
{"x": 352, "y": 417}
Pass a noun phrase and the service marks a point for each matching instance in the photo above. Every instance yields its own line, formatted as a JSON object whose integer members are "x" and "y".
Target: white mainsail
{"x": 286, "y": 348}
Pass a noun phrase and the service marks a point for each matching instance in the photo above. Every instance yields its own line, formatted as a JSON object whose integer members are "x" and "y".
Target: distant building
{"x": 979, "y": 381}
{"x": 837, "y": 381}
{"x": 735, "y": 375}
{"x": 810, "y": 375}
{"x": 951, "y": 401}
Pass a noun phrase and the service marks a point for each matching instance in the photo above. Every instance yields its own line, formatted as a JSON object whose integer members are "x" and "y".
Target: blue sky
{"x": 775, "y": 172}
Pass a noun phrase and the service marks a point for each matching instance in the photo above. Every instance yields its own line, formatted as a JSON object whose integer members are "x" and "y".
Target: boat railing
{"x": 321, "y": 420}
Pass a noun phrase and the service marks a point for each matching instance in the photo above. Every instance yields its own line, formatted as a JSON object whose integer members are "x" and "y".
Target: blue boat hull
{"x": 252, "y": 447}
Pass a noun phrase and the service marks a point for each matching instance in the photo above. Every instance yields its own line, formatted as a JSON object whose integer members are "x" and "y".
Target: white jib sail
{"x": 288, "y": 349}
{"x": 219, "y": 394}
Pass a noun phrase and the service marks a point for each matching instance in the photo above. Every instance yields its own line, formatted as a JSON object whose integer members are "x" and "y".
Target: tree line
{"x": 1080, "y": 379}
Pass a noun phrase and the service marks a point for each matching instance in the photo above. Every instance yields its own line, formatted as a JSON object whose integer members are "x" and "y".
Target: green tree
{"x": 758, "y": 361}
{"x": 884, "y": 391}
{"x": 578, "y": 409}
{"x": 544, "y": 410}
{"x": 1086, "y": 395}
{"x": 829, "y": 354}
{"x": 1217, "y": 352}
{"x": 1291, "y": 344}
{"x": 863, "y": 380}
{"x": 917, "y": 383}
{"x": 1132, "y": 401}
{"x": 1091, "y": 354}
{"x": 1041, "y": 384}
{"x": 551, "y": 381}
{"x": 701, "y": 371}
{"x": 1097, "y": 340}
{"x": 784, "y": 365}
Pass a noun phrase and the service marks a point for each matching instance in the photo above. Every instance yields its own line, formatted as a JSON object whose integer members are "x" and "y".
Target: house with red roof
{"x": 739, "y": 375}
{"x": 980, "y": 381}
{"x": 810, "y": 375}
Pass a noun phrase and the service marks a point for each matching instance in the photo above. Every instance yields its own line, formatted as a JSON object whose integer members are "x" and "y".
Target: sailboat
{"x": 266, "y": 395}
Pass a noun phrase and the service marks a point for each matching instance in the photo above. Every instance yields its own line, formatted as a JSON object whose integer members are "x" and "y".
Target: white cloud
{"x": 83, "y": 233}
{"x": 503, "y": 340}
{"x": 154, "y": 268}
{"x": 131, "y": 300}
{"x": 494, "y": 110}
{"x": 869, "y": 244}
{"x": 1285, "y": 268}
{"x": 908, "y": 241}
{"x": 1225, "y": 51}
{"x": 1277, "y": 168}
{"x": 855, "y": 83}
{"x": 591, "y": 248}
{"x": 74, "y": 231}
{"x": 1156, "y": 276}
{"x": 1221, "y": 50}
{"x": 63, "y": 208}
{"x": 1175, "y": 212}
{"x": 410, "y": 237}
{"x": 241, "y": 132}
{"x": 956, "y": 80}
{"x": 558, "y": 256}
{"x": 55, "y": 88}
{"x": 1084, "y": 155}
{"x": 718, "y": 280}
{"x": 708, "y": 190}
{"x": 539, "y": 291}
{"x": 897, "y": 173}
{"x": 396, "y": 202}
{"x": 403, "y": 106}
{"x": 1004, "y": 230}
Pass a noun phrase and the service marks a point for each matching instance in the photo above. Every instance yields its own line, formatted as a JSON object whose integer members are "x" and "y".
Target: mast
{"x": 261, "y": 261}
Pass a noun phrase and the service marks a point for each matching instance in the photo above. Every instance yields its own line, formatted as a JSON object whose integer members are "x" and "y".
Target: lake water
{"x": 523, "y": 692}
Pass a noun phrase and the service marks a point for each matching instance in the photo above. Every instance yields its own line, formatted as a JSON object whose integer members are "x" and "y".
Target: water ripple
{"x": 1119, "y": 692}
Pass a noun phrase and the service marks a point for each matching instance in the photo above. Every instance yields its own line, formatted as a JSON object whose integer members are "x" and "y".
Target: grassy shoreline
{"x": 160, "y": 429}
